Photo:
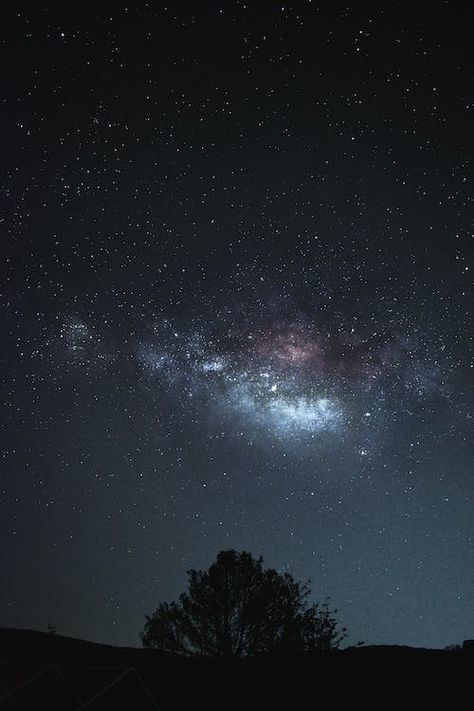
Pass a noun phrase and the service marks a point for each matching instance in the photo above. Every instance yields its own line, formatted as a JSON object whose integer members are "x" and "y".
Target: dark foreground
{"x": 42, "y": 671}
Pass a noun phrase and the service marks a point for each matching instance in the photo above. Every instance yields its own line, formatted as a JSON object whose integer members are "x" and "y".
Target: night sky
{"x": 236, "y": 308}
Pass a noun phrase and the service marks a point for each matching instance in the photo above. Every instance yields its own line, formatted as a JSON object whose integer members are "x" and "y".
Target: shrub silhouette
{"x": 237, "y": 608}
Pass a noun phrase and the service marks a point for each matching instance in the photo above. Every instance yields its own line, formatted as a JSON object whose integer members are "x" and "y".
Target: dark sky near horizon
{"x": 237, "y": 308}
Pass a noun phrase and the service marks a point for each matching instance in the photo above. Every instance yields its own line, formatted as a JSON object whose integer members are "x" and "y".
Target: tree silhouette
{"x": 237, "y": 608}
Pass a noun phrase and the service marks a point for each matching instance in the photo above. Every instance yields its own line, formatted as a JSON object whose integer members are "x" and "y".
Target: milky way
{"x": 286, "y": 377}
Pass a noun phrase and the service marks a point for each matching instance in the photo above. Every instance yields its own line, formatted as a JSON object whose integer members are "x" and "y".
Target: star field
{"x": 237, "y": 309}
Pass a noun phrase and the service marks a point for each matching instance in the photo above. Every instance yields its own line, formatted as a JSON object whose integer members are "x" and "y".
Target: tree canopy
{"x": 237, "y": 608}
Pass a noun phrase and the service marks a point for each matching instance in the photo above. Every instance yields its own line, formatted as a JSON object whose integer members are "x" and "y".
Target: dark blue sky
{"x": 236, "y": 309}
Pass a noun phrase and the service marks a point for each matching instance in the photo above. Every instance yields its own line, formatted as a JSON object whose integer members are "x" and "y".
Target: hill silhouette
{"x": 40, "y": 670}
